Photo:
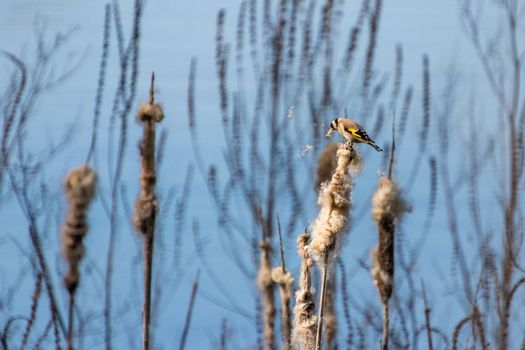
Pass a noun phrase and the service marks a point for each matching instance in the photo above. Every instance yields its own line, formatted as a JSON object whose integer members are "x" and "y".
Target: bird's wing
{"x": 358, "y": 131}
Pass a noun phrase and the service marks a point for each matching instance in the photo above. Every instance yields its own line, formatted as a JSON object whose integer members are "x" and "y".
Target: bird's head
{"x": 333, "y": 127}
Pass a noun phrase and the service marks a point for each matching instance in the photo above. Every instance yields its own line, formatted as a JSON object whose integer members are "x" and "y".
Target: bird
{"x": 351, "y": 131}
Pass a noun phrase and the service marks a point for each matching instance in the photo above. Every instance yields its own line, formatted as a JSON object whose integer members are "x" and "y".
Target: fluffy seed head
{"x": 334, "y": 202}
{"x": 303, "y": 332}
{"x": 148, "y": 111}
{"x": 388, "y": 201}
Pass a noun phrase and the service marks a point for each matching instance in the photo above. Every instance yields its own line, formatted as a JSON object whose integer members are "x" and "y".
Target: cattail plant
{"x": 333, "y": 219}
{"x": 146, "y": 206}
{"x": 388, "y": 207}
{"x": 266, "y": 284}
{"x": 284, "y": 280}
{"x": 325, "y": 168}
{"x": 79, "y": 188}
{"x": 303, "y": 335}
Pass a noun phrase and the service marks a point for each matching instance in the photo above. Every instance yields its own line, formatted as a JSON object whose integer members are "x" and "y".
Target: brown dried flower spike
{"x": 79, "y": 188}
{"x": 146, "y": 206}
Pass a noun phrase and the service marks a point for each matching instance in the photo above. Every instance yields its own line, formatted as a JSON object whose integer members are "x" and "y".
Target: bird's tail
{"x": 376, "y": 147}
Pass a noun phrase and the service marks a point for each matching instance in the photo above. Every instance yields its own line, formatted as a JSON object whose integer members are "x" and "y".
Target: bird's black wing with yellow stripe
{"x": 361, "y": 133}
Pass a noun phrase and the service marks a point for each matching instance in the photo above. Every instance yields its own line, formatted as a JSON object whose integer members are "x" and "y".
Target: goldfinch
{"x": 351, "y": 131}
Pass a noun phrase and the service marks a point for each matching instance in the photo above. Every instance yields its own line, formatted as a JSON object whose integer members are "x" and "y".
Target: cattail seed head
{"x": 334, "y": 202}
{"x": 303, "y": 332}
{"x": 388, "y": 207}
{"x": 284, "y": 280}
{"x": 146, "y": 204}
{"x": 149, "y": 111}
{"x": 281, "y": 277}
{"x": 266, "y": 284}
{"x": 387, "y": 201}
{"x": 80, "y": 189}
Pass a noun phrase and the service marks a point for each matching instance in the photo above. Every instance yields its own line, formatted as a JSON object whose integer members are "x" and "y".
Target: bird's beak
{"x": 330, "y": 132}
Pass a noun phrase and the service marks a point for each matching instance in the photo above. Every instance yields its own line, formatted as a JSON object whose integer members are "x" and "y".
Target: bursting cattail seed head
{"x": 148, "y": 111}
{"x": 303, "y": 332}
{"x": 387, "y": 201}
{"x": 281, "y": 277}
{"x": 266, "y": 285}
{"x": 388, "y": 207}
{"x": 334, "y": 202}
{"x": 284, "y": 280}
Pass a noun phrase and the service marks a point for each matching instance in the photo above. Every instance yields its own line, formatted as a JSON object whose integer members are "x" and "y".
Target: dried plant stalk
{"x": 330, "y": 317}
{"x": 388, "y": 206}
{"x": 79, "y": 188}
{"x": 284, "y": 280}
{"x": 266, "y": 284}
{"x": 331, "y": 223}
{"x": 146, "y": 206}
{"x": 303, "y": 336}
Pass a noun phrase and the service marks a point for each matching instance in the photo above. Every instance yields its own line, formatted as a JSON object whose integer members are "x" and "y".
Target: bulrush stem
{"x": 148, "y": 267}
{"x": 146, "y": 205}
{"x": 386, "y": 325}
{"x": 319, "y": 334}
{"x": 70, "y": 322}
{"x": 330, "y": 317}
{"x": 191, "y": 304}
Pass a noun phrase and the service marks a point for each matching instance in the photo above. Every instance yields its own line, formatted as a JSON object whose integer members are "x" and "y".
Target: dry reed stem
{"x": 481, "y": 329}
{"x": 224, "y": 330}
{"x": 265, "y": 282}
{"x": 428, "y": 327}
{"x": 187, "y": 322}
{"x": 80, "y": 189}
{"x": 146, "y": 206}
{"x": 330, "y": 317}
{"x": 457, "y": 331}
{"x": 322, "y": 297}
{"x": 284, "y": 279}
{"x": 35, "y": 298}
{"x": 388, "y": 206}
{"x": 304, "y": 311}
